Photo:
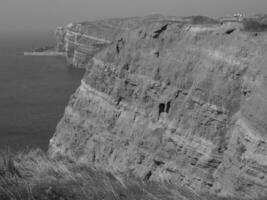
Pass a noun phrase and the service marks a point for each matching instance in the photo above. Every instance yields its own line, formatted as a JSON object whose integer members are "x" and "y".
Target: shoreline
{"x": 54, "y": 53}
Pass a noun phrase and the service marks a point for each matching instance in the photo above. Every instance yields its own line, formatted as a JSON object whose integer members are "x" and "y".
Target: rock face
{"x": 81, "y": 41}
{"x": 78, "y": 45}
{"x": 176, "y": 100}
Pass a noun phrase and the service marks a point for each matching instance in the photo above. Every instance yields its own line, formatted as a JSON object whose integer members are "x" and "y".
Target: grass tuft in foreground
{"x": 31, "y": 175}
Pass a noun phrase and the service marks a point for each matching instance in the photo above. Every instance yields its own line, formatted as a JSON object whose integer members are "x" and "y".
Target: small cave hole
{"x": 208, "y": 184}
{"x": 255, "y": 34}
{"x": 140, "y": 33}
{"x": 148, "y": 176}
{"x": 159, "y": 162}
{"x": 245, "y": 93}
{"x": 157, "y": 54}
{"x": 228, "y": 32}
{"x": 117, "y": 49}
{"x": 126, "y": 67}
{"x": 161, "y": 108}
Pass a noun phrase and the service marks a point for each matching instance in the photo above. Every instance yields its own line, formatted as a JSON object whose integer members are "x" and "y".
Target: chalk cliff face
{"x": 182, "y": 101}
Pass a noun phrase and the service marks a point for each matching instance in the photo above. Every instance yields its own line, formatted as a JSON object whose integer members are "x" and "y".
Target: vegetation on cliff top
{"x": 257, "y": 24}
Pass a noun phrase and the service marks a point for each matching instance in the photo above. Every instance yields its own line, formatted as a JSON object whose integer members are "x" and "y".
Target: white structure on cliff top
{"x": 239, "y": 16}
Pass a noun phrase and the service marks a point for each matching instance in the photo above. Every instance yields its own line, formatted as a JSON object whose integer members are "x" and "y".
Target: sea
{"x": 33, "y": 91}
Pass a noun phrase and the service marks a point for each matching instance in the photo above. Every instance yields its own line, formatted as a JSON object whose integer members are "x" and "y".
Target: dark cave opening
{"x": 228, "y": 32}
{"x": 161, "y": 108}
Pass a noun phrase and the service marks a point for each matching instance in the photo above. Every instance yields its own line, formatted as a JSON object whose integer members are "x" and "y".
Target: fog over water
{"x": 36, "y": 15}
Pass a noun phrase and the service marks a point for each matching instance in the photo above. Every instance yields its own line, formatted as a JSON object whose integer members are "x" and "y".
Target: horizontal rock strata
{"x": 172, "y": 100}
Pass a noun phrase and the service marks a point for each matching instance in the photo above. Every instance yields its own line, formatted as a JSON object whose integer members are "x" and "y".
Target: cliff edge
{"x": 176, "y": 100}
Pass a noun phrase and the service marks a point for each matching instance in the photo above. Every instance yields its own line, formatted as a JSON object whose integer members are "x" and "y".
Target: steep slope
{"x": 176, "y": 101}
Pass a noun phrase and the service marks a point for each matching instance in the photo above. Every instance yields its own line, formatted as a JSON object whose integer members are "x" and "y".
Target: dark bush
{"x": 202, "y": 20}
{"x": 253, "y": 25}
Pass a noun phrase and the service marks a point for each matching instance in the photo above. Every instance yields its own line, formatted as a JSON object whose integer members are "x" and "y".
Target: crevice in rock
{"x": 119, "y": 99}
{"x": 208, "y": 184}
{"x": 119, "y": 45}
{"x": 157, "y": 74}
{"x": 168, "y": 106}
{"x": 255, "y": 34}
{"x": 161, "y": 108}
{"x": 159, "y": 162}
{"x": 157, "y": 54}
{"x": 117, "y": 49}
{"x": 148, "y": 176}
{"x": 164, "y": 108}
{"x": 94, "y": 157}
{"x": 126, "y": 67}
{"x": 158, "y": 32}
{"x": 245, "y": 91}
{"x": 230, "y": 31}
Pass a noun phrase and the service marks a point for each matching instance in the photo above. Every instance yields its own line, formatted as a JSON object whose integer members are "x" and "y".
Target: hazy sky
{"x": 36, "y": 15}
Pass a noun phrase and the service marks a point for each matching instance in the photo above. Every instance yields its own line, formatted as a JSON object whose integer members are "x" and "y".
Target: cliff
{"x": 177, "y": 101}
{"x": 81, "y": 41}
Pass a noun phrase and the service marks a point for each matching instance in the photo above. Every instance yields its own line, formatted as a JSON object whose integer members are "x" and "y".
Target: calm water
{"x": 33, "y": 92}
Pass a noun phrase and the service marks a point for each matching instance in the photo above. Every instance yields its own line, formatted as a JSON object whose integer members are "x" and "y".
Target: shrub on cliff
{"x": 254, "y": 25}
{"x": 201, "y": 20}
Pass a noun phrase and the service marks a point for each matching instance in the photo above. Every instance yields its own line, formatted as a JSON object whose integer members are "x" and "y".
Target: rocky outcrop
{"x": 173, "y": 101}
{"x": 78, "y": 45}
{"x": 81, "y": 41}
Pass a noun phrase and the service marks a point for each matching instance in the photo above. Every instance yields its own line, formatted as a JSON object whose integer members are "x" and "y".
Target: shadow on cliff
{"x": 31, "y": 175}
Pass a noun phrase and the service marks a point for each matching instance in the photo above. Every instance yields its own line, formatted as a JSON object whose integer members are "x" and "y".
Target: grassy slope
{"x": 32, "y": 176}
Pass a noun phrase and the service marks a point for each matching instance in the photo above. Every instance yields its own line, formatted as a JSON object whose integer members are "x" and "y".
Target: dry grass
{"x": 31, "y": 175}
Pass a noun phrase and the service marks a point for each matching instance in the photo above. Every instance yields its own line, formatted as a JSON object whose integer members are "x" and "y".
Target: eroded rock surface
{"x": 81, "y": 41}
{"x": 176, "y": 100}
